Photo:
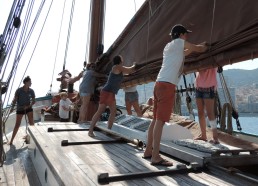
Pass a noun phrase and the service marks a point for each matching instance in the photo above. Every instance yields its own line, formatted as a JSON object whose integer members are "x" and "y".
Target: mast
{"x": 96, "y": 41}
{"x": 97, "y": 29}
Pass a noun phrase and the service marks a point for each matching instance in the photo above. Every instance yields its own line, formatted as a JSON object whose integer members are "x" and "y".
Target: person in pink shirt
{"x": 206, "y": 85}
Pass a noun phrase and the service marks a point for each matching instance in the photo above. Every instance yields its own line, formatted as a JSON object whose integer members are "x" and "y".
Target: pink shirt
{"x": 206, "y": 78}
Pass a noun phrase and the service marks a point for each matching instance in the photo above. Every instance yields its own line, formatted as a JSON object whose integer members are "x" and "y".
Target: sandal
{"x": 200, "y": 138}
{"x": 147, "y": 157}
{"x": 215, "y": 142}
{"x": 162, "y": 162}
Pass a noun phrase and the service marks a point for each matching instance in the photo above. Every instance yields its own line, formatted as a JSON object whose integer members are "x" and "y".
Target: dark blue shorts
{"x": 205, "y": 93}
{"x": 24, "y": 111}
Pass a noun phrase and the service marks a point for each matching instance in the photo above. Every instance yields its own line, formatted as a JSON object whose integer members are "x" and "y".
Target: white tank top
{"x": 173, "y": 62}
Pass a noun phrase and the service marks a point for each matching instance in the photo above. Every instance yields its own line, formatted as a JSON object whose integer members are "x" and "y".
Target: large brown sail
{"x": 230, "y": 27}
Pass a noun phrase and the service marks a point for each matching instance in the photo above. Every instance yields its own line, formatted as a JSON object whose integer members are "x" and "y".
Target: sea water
{"x": 248, "y": 122}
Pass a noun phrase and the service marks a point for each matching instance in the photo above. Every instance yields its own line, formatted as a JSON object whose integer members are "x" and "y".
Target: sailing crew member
{"x": 132, "y": 100}
{"x": 165, "y": 87}
{"x": 24, "y": 98}
{"x": 67, "y": 81}
{"x": 206, "y": 86}
{"x": 107, "y": 94}
{"x": 86, "y": 90}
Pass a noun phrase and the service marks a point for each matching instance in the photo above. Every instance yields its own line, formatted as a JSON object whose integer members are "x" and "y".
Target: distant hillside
{"x": 234, "y": 77}
{"x": 239, "y": 77}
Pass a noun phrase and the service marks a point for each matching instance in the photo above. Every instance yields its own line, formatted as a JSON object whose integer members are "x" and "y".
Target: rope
{"x": 17, "y": 60}
{"x": 37, "y": 40}
{"x": 57, "y": 47}
{"x": 226, "y": 108}
{"x": 212, "y": 22}
{"x": 69, "y": 31}
{"x": 188, "y": 101}
{"x": 11, "y": 42}
{"x": 177, "y": 107}
{"x": 229, "y": 98}
{"x": 88, "y": 34}
{"x": 217, "y": 108}
{"x": 147, "y": 47}
{"x": 2, "y": 152}
{"x": 22, "y": 36}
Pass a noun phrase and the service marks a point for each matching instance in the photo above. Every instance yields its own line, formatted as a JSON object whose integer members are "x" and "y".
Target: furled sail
{"x": 229, "y": 27}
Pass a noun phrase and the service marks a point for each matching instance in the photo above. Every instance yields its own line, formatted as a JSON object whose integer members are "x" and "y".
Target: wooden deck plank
{"x": 17, "y": 169}
{"x": 88, "y": 161}
{"x": 63, "y": 166}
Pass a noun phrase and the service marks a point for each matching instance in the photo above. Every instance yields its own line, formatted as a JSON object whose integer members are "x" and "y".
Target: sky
{"x": 49, "y": 57}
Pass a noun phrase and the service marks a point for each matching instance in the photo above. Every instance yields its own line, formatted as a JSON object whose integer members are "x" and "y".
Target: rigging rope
{"x": 188, "y": 101}
{"x": 4, "y": 43}
{"x": 69, "y": 31}
{"x": 19, "y": 55}
{"x": 37, "y": 40}
{"x": 88, "y": 35}
{"x": 57, "y": 47}
{"x": 147, "y": 44}
{"x": 212, "y": 22}
{"x": 17, "y": 60}
{"x": 229, "y": 98}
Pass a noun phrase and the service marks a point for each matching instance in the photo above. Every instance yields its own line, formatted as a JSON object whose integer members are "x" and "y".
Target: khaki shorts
{"x": 164, "y": 99}
{"x": 107, "y": 98}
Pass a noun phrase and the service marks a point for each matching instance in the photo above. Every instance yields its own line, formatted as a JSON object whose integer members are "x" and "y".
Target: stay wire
{"x": 147, "y": 44}
{"x": 59, "y": 35}
{"x": 37, "y": 39}
{"x": 88, "y": 34}
{"x": 22, "y": 35}
{"x": 18, "y": 57}
{"x": 69, "y": 31}
{"x": 212, "y": 22}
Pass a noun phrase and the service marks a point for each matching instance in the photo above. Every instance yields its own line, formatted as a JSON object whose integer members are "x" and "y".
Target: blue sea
{"x": 248, "y": 122}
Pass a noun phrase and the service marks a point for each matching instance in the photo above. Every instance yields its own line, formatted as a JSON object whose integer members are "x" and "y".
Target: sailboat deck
{"x": 18, "y": 168}
{"x": 81, "y": 164}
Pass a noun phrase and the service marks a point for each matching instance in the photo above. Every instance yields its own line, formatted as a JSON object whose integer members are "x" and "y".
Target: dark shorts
{"x": 205, "y": 93}
{"x": 24, "y": 111}
{"x": 131, "y": 96}
{"x": 64, "y": 120}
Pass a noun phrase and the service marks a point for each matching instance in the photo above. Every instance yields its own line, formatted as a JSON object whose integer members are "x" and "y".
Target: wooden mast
{"x": 96, "y": 41}
{"x": 97, "y": 29}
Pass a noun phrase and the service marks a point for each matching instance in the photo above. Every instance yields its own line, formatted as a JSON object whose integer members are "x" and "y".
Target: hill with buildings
{"x": 240, "y": 77}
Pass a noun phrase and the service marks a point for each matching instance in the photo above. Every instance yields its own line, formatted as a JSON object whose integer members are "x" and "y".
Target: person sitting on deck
{"x": 64, "y": 107}
{"x": 107, "y": 94}
{"x": 165, "y": 88}
{"x": 25, "y": 98}
{"x": 131, "y": 100}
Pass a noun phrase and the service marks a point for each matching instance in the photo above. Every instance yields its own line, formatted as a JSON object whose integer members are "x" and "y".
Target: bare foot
{"x": 91, "y": 134}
